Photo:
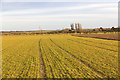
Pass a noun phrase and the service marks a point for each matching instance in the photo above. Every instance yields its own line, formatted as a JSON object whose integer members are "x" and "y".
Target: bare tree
{"x": 72, "y": 26}
{"x": 76, "y": 27}
{"x": 79, "y": 27}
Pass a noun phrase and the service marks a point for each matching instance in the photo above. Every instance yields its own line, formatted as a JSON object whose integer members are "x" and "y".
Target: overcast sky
{"x": 58, "y": 15}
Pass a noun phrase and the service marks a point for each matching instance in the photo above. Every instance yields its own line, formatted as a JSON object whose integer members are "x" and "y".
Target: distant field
{"x": 25, "y": 32}
{"x": 58, "y": 56}
{"x": 112, "y": 36}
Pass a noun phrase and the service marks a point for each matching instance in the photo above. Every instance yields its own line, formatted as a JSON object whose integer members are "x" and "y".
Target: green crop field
{"x": 58, "y": 56}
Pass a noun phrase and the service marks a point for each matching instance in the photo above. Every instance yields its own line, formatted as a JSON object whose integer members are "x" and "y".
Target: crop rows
{"x": 22, "y": 60}
{"x": 60, "y": 64}
{"x": 58, "y": 56}
{"x": 101, "y": 60}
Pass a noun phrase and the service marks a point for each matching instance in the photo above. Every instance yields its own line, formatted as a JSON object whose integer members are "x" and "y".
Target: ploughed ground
{"x": 112, "y": 36}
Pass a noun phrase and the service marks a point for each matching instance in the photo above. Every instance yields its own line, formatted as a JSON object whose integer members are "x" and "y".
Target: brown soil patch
{"x": 112, "y": 36}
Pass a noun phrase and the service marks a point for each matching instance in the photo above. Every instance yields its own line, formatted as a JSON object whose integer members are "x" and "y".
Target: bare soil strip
{"x": 93, "y": 46}
{"x": 42, "y": 63}
{"x": 112, "y": 36}
{"x": 85, "y": 63}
